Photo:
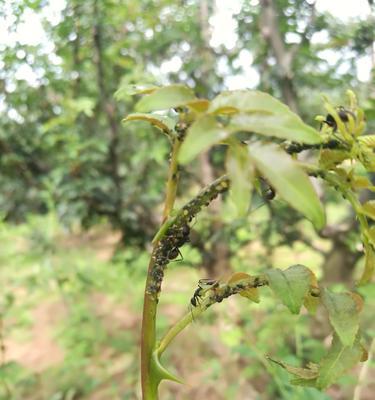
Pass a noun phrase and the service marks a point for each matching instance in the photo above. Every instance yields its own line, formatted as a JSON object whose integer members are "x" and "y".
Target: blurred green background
{"x": 81, "y": 194}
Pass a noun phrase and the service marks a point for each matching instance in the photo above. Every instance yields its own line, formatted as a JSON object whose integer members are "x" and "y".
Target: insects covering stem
{"x": 148, "y": 334}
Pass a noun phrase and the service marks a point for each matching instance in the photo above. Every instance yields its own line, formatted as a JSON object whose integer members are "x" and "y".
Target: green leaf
{"x": 165, "y": 98}
{"x": 240, "y": 172}
{"x": 198, "y": 105}
{"x": 338, "y": 360}
{"x": 291, "y": 285}
{"x": 164, "y": 123}
{"x": 286, "y": 126}
{"x": 368, "y": 140}
{"x": 289, "y": 180}
{"x": 304, "y": 382}
{"x": 331, "y": 158}
{"x": 368, "y": 272}
{"x": 202, "y": 134}
{"x": 261, "y": 113}
{"x": 369, "y": 209}
{"x": 312, "y": 302}
{"x": 343, "y": 310}
{"x": 246, "y": 101}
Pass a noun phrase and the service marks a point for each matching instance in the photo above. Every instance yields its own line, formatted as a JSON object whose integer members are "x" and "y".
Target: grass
{"x": 71, "y": 312}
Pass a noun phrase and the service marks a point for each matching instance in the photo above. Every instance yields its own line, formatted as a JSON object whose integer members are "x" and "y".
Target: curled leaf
{"x": 310, "y": 372}
{"x": 164, "y": 123}
{"x": 240, "y": 171}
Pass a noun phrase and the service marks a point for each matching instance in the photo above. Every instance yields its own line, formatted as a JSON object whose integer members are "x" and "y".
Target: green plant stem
{"x": 148, "y": 334}
{"x": 172, "y": 180}
{"x": 179, "y": 326}
{"x": 217, "y": 295}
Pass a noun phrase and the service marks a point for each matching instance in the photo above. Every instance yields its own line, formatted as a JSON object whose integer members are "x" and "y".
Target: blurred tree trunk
{"x": 269, "y": 27}
{"x": 216, "y": 257}
{"x": 107, "y": 107}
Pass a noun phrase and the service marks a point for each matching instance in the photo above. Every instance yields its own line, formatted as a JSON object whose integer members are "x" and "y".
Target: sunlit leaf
{"x": 198, "y": 105}
{"x": 240, "y": 172}
{"x": 165, "y": 98}
{"x": 261, "y": 113}
{"x": 289, "y": 181}
{"x": 286, "y": 126}
{"x": 162, "y": 122}
{"x": 338, "y": 360}
{"x": 202, "y": 134}
{"x": 343, "y": 310}
{"x": 247, "y": 101}
{"x": 291, "y": 285}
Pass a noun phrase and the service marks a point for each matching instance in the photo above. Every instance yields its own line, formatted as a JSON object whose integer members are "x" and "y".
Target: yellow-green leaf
{"x": 259, "y": 112}
{"x": 198, "y": 105}
{"x": 289, "y": 180}
{"x": 338, "y": 360}
{"x": 369, "y": 209}
{"x": 284, "y": 125}
{"x": 368, "y": 272}
{"x": 331, "y": 158}
{"x": 165, "y": 98}
{"x": 368, "y": 140}
{"x": 240, "y": 172}
{"x": 343, "y": 311}
{"x": 202, "y": 134}
{"x": 250, "y": 293}
{"x": 312, "y": 302}
{"x": 246, "y": 101}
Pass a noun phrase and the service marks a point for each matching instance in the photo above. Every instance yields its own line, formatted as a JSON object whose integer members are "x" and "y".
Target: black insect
{"x": 173, "y": 253}
{"x": 268, "y": 192}
{"x": 183, "y": 235}
{"x": 343, "y": 114}
{"x": 175, "y": 240}
{"x": 195, "y": 300}
{"x": 203, "y": 285}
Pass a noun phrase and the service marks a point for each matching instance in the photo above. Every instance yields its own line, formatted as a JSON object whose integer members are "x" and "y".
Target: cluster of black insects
{"x": 178, "y": 233}
{"x": 219, "y": 293}
{"x": 167, "y": 250}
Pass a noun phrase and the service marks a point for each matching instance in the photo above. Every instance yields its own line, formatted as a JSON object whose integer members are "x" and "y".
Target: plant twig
{"x": 148, "y": 335}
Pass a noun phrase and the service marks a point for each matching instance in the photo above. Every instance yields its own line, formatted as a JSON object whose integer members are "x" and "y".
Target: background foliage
{"x": 68, "y": 165}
